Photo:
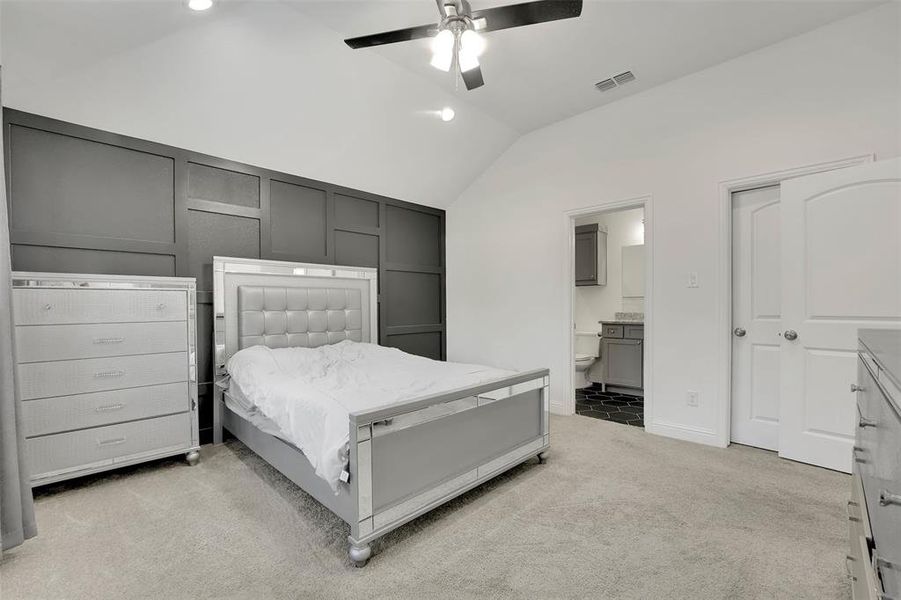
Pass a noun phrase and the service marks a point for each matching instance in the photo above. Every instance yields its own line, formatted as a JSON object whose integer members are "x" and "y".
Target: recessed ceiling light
{"x": 447, "y": 114}
{"x": 199, "y": 4}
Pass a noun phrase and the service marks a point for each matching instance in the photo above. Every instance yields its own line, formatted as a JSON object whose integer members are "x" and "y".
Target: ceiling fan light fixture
{"x": 471, "y": 47}
{"x": 471, "y": 42}
{"x": 443, "y": 50}
{"x": 442, "y": 61}
{"x": 468, "y": 60}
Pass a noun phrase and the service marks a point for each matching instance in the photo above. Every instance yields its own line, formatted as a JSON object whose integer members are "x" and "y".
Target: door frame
{"x": 724, "y": 316}
{"x": 569, "y": 223}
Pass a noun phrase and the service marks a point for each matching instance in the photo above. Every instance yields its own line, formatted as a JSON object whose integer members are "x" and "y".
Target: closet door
{"x": 756, "y": 317}
{"x": 841, "y": 272}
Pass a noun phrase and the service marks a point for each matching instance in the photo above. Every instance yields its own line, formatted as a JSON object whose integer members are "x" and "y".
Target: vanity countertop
{"x": 621, "y": 322}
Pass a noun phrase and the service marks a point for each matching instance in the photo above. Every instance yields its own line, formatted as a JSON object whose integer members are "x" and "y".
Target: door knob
{"x": 739, "y": 332}
{"x": 791, "y": 335}
{"x": 856, "y": 388}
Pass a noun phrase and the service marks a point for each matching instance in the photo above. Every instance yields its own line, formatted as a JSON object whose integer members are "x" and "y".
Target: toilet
{"x": 586, "y": 346}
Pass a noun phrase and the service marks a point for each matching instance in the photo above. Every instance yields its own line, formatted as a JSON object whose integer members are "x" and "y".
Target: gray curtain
{"x": 16, "y": 505}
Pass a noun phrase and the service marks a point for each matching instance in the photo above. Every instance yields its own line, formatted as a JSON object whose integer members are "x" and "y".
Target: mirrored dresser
{"x": 105, "y": 370}
{"x": 874, "y": 511}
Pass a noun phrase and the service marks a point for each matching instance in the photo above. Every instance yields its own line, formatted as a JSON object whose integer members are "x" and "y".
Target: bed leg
{"x": 542, "y": 457}
{"x": 193, "y": 457}
{"x": 359, "y": 554}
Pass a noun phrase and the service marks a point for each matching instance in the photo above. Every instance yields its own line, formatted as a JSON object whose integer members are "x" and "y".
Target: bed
{"x": 403, "y": 457}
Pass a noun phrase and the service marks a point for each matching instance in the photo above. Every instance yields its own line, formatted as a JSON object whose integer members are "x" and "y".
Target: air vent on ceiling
{"x": 607, "y": 84}
{"x": 615, "y": 81}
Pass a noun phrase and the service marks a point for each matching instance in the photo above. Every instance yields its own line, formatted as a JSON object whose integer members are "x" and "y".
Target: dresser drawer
{"x": 885, "y": 480}
{"x": 864, "y": 584}
{"x": 89, "y": 447}
{"x": 43, "y": 306}
{"x": 68, "y": 413}
{"x": 857, "y": 507}
{"x": 62, "y": 378}
{"x": 36, "y": 343}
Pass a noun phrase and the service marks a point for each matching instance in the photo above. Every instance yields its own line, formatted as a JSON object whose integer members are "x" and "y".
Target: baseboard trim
{"x": 558, "y": 408}
{"x": 688, "y": 433}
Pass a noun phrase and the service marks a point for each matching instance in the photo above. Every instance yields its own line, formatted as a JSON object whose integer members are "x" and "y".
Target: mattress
{"x": 244, "y": 408}
{"x": 305, "y": 395}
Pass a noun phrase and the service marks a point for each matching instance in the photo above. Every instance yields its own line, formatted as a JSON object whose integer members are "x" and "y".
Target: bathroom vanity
{"x": 622, "y": 353}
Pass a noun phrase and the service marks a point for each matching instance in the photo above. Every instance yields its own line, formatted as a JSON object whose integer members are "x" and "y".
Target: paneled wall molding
{"x": 63, "y": 240}
{"x": 90, "y": 201}
{"x": 223, "y": 208}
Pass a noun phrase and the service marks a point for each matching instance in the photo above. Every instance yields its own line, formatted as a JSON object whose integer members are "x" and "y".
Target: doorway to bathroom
{"x": 609, "y": 342}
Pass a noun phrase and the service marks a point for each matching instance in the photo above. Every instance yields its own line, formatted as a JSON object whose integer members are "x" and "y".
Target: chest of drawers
{"x": 105, "y": 370}
{"x": 875, "y": 506}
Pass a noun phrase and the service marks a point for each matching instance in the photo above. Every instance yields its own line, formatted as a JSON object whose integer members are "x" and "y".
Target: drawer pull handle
{"x": 864, "y": 422}
{"x": 109, "y": 340}
{"x": 857, "y": 388}
{"x": 111, "y": 442}
{"x": 110, "y": 407}
{"x": 48, "y": 306}
{"x": 887, "y": 498}
{"x": 116, "y": 373}
{"x": 160, "y": 306}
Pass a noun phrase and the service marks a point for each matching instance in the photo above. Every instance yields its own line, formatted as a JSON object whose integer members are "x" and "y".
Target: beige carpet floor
{"x": 615, "y": 513}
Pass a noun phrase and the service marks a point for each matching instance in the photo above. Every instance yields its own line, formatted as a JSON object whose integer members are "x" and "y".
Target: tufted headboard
{"x": 283, "y": 304}
{"x": 280, "y": 317}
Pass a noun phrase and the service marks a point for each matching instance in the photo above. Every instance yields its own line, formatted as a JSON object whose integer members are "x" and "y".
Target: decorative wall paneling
{"x": 84, "y": 200}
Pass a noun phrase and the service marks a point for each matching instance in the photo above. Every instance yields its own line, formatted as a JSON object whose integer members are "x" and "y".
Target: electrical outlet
{"x": 691, "y": 398}
{"x": 693, "y": 280}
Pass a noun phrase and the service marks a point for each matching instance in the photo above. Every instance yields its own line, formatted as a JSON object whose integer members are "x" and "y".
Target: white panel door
{"x": 841, "y": 271}
{"x": 756, "y": 317}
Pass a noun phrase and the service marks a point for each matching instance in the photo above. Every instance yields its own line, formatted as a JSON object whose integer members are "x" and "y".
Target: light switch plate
{"x": 691, "y": 398}
{"x": 693, "y": 279}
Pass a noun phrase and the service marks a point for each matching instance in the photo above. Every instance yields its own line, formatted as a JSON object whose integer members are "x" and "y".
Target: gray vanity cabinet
{"x": 591, "y": 255}
{"x": 622, "y": 354}
{"x": 623, "y": 363}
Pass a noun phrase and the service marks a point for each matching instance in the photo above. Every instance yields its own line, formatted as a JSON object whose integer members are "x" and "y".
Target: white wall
{"x": 259, "y": 83}
{"x": 596, "y": 303}
{"x": 826, "y": 95}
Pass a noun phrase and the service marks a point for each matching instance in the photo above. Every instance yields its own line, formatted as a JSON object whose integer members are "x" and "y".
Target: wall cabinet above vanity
{"x": 591, "y": 255}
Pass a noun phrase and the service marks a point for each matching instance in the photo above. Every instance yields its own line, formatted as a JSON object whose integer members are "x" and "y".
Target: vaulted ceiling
{"x": 272, "y": 84}
{"x": 545, "y": 73}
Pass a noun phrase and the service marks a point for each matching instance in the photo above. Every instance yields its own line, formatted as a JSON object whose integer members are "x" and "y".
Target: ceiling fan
{"x": 457, "y": 40}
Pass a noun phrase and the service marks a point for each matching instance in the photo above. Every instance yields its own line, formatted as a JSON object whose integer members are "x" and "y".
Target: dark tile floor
{"x": 610, "y": 406}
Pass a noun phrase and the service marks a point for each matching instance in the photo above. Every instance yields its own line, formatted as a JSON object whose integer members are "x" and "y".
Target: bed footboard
{"x": 406, "y": 459}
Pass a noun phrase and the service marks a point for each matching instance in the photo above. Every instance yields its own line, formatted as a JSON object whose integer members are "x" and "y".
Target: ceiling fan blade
{"x": 473, "y": 78}
{"x": 527, "y": 13}
{"x": 392, "y": 37}
{"x": 441, "y": 6}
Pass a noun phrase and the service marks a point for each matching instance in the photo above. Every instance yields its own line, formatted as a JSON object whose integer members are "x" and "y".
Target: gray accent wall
{"x": 83, "y": 200}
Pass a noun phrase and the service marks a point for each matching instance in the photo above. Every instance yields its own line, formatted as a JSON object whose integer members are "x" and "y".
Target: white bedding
{"x": 308, "y": 393}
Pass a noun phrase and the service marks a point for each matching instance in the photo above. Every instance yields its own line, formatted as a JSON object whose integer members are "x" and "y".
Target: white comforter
{"x": 309, "y": 392}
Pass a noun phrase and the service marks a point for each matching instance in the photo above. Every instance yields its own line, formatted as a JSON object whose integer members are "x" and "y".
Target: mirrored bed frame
{"x": 405, "y": 458}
